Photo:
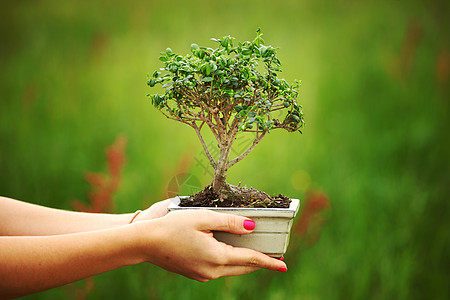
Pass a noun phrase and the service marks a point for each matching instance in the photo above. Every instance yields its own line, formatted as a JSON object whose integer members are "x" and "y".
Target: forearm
{"x": 32, "y": 264}
{"x": 20, "y": 218}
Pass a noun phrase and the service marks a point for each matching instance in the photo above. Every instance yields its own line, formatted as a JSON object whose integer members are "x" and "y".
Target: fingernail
{"x": 282, "y": 269}
{"x": 249, "y": 224}
{"x": 281, "y": 258}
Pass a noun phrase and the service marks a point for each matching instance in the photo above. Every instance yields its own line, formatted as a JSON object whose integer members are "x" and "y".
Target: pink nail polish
{"x": 249, "y": 224}
{"x": 282, "y": 269}
{"x": 281, "y": 258}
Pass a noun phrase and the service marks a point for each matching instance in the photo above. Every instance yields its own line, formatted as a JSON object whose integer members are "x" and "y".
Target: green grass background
{"x": 375, "y": 91}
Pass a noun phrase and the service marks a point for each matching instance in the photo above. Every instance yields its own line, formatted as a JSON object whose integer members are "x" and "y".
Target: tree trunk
{"x": 220, "y": 172}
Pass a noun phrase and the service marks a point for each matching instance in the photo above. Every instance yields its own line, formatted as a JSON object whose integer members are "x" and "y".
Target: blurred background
{"x": 372, "y": 166}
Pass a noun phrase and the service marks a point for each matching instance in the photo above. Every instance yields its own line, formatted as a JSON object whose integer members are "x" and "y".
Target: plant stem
{"x": 243, "y": 155}
{"x": 208, "y": 154}
{"x": 220, "y": 174}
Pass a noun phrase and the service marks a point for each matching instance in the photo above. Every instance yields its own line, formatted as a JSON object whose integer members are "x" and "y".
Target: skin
{"x": 42, "y": 248}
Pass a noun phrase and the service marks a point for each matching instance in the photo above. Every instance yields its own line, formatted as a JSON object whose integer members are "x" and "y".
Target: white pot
{"x": 272, "y": 227}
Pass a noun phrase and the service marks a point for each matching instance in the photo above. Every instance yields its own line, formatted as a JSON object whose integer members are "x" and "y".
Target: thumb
{"x": 227, "y": 222}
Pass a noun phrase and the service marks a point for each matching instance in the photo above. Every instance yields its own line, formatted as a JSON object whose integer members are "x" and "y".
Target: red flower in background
{"x": 103, "y": 186}
{"x": 308, "y": 227}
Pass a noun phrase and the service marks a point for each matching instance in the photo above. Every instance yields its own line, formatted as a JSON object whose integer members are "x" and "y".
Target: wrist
{"x": 144, "y": 237}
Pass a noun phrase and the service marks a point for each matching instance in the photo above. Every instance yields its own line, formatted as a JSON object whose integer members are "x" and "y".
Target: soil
{"x": 233, "y": 196}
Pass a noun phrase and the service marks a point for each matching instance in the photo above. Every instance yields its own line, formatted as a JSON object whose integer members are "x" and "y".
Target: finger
{"x": 157, "y": 210}
{"x": 160, "y": 209}
{"x": 165, "y": 204}
{"x": 226, "y": 222}
{"x": 247, "y": 257}
{"x": 225, "y": 271}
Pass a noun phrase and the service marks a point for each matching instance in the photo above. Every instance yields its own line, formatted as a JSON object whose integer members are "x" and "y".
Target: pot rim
{"x": 290, "y": 212}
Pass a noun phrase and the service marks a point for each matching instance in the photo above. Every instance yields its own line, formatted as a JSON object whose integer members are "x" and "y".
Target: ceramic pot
{"x": 272, "y": 227}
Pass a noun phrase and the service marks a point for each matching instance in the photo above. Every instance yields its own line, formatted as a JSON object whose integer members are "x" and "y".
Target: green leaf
{"x": 157, "y": 100}
{"x": 173, "y": 68}
{"x": 251, "y": 114}
{"x": 295, "y": 118}
{"x": 194, "y": 47}
{"x": 262, "y": 50}
{"x": 207, "y": 79}
{"x": 224, "y": 42}
{"x": 213, "y": 67}
{"x": 208, "y": 69}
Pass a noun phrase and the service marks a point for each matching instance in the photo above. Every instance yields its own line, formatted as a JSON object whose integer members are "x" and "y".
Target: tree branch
{"x": 207, "y": 119}
{"x": 243, "y": 155}
{"x": 214, "y": 128}
{"x": 275, "y": 109}
{"x": 208, "y": 154}
{"x": 170, "y": 117}
{"x": 174, "y": 116}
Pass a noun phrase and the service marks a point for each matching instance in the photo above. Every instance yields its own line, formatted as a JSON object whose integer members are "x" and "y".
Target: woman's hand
{"x": 183, "y": 242}
{"x": 157, "y": 210}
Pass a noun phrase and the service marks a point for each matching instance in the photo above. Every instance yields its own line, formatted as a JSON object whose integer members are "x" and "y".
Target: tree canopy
{"x": 232, "y": 88}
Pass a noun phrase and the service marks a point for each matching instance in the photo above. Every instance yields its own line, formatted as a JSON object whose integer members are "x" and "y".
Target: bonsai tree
{"x": 232, "y": 89}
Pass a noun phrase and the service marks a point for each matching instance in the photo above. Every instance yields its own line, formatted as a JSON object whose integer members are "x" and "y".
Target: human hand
{"x": 183, "y": 242}
{"x": 157, "y": 210}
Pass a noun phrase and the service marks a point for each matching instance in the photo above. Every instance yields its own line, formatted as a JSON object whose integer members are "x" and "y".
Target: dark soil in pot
{"x": 234, "y": 196}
